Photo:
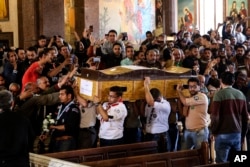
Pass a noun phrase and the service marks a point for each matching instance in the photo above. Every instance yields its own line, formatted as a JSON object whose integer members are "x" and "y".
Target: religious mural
{"x": 237, "y": 8}
{"x": 132, "y": 16}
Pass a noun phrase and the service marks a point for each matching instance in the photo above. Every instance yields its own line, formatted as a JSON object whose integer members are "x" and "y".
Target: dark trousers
{"x": 15, "y": 162}
{"x": 62, "y": 145}
{"x": 162, "y": 140}
{"x": 174, "y": 136}
{"x": 112, "y": 142}
{"x": 132, "y": 135}
{"x": 87, "y": 138}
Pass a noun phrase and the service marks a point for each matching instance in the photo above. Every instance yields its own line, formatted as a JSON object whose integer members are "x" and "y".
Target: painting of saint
{"x": 233, "y": 11}
{"x": 186, "y": 15}
{"x": 159, "y": 14}
{"x": 4, "y": 14}
{"x": 188, "y": 18}
{"x": 243, "y": 10}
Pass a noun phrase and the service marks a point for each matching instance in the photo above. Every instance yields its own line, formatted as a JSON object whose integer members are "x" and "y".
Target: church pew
{"x": 37, "y": 160}
{"x": 226, "y": 164}
{"x": 109, "y": 152}
{"x": 184, "y": 158}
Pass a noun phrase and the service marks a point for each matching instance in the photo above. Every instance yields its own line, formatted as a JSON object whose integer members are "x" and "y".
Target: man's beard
{"x": 193, "y": 92}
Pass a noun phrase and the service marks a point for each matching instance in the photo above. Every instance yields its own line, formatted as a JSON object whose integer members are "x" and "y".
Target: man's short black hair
{"x": 207, "y": 49}
{"x": 112, "y": 31}
{"x": 32, "y": 48}
{"x": 148, "y": 32}
{"x": 17, "y": 50}
{"x": 118, "y": 90}
{"x": 68, "y": 90}
{"x": 45, "y": 51}
{"x": 207, "y": 37}
{"x": 227, "y": 78}
{"x": 155, "y": 93}
{"x": 41, "y": 37}
{"x": 193, "y": 46}
{"x": 117, "y": 43}
{"x": 194, "y": 79}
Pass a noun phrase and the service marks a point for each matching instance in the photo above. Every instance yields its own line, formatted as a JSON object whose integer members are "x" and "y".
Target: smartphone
{"x": 91, "y": 28}
{"x": 124, "y": 36}
{"x": 184, "y": 87}
{"x": 96, "y": 59}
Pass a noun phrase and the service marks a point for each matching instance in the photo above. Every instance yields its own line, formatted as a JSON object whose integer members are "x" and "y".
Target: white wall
{"x": 211, "y": 13}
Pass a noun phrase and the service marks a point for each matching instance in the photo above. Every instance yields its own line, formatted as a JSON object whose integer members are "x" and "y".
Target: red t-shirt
{"x": 31, "y": 74}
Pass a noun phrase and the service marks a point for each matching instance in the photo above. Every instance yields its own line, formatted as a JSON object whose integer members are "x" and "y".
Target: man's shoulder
{"x": 74, "y": 108}
{"x": 230, "y": 93}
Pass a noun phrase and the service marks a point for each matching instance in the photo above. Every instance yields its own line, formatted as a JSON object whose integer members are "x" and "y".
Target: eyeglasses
{"x": 192, "y": 87}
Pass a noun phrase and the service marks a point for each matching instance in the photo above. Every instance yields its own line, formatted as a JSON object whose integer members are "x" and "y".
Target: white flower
{"x": 47, "y": 122}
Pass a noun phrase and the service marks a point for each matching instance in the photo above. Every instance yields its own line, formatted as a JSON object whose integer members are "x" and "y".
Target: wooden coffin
{"x": 97, "y": 83}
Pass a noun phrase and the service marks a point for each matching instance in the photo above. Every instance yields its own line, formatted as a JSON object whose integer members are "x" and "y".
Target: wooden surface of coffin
{"x": 93, "y": 83}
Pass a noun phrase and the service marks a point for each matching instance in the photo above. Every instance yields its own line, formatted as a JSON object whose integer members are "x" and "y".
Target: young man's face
{"x": 49, "y": 57}
{"x": 130, "y": 52}
{"x": 112, "y": 37}
{"x": 117, "y": 50}
{"x": 193, "y": 88}
{"x": 65, "y": 51}
{"x": 64, "y": 98}
{"x": 21, "y": 55}
{"x": 12, "y": 57}
{"x": 31, "y": 55}
{"x": 113, "y": 98}
{"x": 207, "y": 54}
{"x": 195, "y": 52}
{"x": 42, "y": 43}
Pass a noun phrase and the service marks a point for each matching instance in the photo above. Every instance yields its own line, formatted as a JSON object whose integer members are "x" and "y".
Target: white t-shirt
{"x": 113, "y": 128}
{"x": 157, "y": 117}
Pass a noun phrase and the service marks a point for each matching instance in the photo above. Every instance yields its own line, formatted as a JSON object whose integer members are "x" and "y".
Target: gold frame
{"x": 4, "y": 10}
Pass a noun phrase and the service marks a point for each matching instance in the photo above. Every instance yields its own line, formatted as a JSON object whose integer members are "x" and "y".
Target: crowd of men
{"x": 40, "y": 81}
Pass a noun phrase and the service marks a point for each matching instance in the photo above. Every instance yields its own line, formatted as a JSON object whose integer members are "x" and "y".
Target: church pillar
{"x": 27, "y": 22}
{"x": 51, "y": 18}
{"x": 91, "y": 13}
{"x": 36, "y": 17}
{"x": 170, "y": 16}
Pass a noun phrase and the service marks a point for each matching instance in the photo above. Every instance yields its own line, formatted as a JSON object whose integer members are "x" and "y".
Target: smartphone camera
{"x": 91, "y": 28}
{"x": 96, "y": 59}
{"x": 124, "y": 36}
{"x": 184, "y": 87}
